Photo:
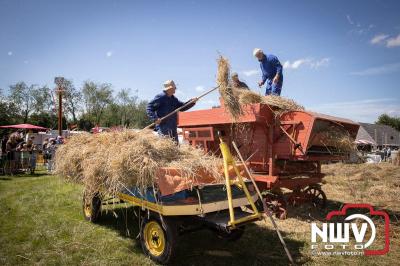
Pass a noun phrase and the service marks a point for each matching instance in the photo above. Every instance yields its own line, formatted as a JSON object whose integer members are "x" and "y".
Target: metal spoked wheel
{"x": 276, "y": 202}
{"x": 316, "y": 196}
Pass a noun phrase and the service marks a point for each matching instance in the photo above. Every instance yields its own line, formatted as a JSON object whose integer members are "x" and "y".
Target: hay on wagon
{"x": 108, "y": 162}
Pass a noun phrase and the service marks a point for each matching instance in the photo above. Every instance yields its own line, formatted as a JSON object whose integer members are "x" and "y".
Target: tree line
{"x": 92, "y": 104}
{"x": 85, "y": 107}
{"x": 388, "y": 120}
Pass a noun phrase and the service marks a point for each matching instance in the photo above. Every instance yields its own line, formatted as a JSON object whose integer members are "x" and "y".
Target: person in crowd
{"x": 60, "y": 140}
{"x": 11, "y": 147}
{"x": 384, "y": 153}
{"x": 51, "y": 150}
{"x": 31, "y": 149}
{"x": 44, "y": 150}
{"x": 4, "y": 144}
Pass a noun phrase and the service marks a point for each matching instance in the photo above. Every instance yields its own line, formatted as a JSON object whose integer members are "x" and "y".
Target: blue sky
{"x": 340, "y": 57}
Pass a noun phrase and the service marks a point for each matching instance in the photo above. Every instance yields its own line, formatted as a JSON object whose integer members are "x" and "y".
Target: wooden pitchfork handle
{"x": 183, "y": 106}
{"x": 267, "y": 211}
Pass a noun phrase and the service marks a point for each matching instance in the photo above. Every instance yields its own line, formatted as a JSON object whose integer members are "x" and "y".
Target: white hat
{"x": 169, "y": 84}
{"x": 257, "y": 51}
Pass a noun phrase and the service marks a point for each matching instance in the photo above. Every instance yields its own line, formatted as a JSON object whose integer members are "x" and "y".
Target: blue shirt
{"x": 160, "y": 106}
{"x": 270, "y": 65}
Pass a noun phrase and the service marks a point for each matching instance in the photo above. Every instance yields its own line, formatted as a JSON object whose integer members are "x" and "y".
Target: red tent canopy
{"x": 25, "y": 126}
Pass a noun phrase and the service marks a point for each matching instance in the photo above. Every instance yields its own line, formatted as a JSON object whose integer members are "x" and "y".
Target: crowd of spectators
{"x": 19, "y": 153}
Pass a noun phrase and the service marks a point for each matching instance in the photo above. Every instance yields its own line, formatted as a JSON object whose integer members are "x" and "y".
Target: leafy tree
{"x": 46, "y": 119}
{"x": 29, "y": 99}
{"x": 385, "y": 119}
{"x": 127, "y": 104}
{"x": 42, "y": 100}
{"x": 112, "y": 116}
{"x": 72, "y": 100}
{"x": 97, "y": 97}
{"x": 126, "y": 111}
{"x": 141, "y": 119}
{"x": 9, "y": 112}
{"x": 91, "y": 105}
{"x": 21, "y": 95}
{"x": 85, "y": 123}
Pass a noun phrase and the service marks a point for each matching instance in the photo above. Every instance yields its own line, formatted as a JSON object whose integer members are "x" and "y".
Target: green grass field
{"x": 41, "y": 223}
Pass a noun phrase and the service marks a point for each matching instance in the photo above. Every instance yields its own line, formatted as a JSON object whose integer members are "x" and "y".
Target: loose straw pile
{"x": 105, "y": 162}
{"x": 282, "y": 103}
{"x": 336, "y": 139}
{"x": 234, "y": 98}
{"x": 230, "y": 101}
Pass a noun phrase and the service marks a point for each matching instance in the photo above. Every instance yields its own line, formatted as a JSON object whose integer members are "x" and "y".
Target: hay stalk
{"x": 230, "y": 101}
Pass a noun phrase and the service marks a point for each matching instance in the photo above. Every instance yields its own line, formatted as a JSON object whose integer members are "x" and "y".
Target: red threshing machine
{"x": 283, "y": 151}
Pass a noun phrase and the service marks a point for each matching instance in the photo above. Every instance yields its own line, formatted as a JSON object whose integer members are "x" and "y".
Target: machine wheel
{"x": 276, "y": 202}
{"x": 91, "y": 208}
{"x": 158, "y": 239}
{"x": 316, "y": 195}
{"x": 231, "y": 235}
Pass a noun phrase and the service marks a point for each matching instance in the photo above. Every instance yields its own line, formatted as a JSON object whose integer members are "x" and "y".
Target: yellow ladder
{"x": 229, "y": 161}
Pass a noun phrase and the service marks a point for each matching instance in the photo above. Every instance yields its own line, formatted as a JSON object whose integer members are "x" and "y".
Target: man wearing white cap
{"x": 271, "y": 70}
{"x": 237, "y": 83}
{"x": 163, "y": 104}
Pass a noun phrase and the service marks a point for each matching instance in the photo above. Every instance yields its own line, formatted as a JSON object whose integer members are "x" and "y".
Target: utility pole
{"x": 60, "y": 89}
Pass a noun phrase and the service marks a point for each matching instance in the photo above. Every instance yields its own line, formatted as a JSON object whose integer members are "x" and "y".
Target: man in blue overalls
{"x": 163, "y": 104}
{"x": 271, "y": 70}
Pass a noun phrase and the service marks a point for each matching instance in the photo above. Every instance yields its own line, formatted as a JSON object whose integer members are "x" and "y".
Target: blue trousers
{"x": 273, "y": 88}
{"x": 172, "y": 133}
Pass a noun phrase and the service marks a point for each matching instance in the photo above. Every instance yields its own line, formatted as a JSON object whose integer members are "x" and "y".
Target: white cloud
{"x": 10, "y": 53}
{"x": 321, "y": 63}
{"x": 199, "y": 88}
{"x": 296, "y": 64}
{"x": 366, "y": 110}
{"x": 251, "y": 72}
{"x": 357, "y": 27}
{"x": 310, "y": 62}
{"x": 377, "y": 39}
{"x": 109, "y": 53}
{"x": 393, "y": 42}
{"x": 349, "y": 20}
{"x": 385, "y": 38}
{"x": 385, "y": 69}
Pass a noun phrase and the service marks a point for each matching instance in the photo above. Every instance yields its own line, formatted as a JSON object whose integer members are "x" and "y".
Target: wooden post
{"x": 59, "y": 113}
{"x": 60, "y": 86}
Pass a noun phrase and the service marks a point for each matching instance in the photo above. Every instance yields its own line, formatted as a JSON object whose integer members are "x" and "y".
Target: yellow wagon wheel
{"x": 154, "y": 238}
{"x": 91, "y": 208}
{"x": 158, "y": 239}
